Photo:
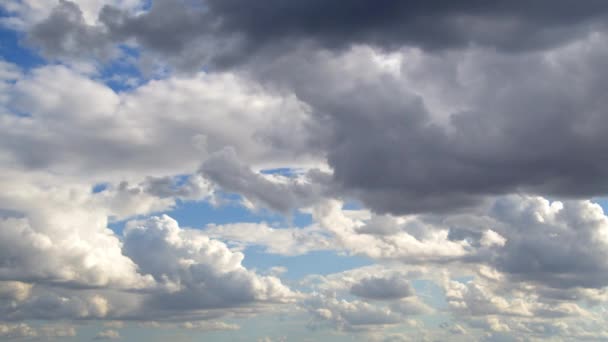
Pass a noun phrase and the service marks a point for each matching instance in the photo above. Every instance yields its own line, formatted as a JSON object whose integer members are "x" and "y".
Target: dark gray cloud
{"x": 528, "y": 122}
{"x": 561, "y": 246}
{"x": 518, "y": 123}
{"x": 65, "y": 34}
{"x": 231, "y": 174}
{"x": 194, "y": 33}
{"x": 386, "y": 23}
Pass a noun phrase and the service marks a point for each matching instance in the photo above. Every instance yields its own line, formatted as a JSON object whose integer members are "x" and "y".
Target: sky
{"x": 303, "y": 170}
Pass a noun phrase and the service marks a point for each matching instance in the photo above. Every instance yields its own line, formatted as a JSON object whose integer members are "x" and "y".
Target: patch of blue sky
{"x": 202, "y": 213}
{"x": 12, "y": 51}
{"x": 283, "y": 171}
{"x": 431, "y": 293}
{"x": 13, "y": 48}
{"x": 100, "y": 187}
{"x": 603, "y": 202}
{"x": 122, "y": 74}
{"x": 299, "y": 266}
{"x": 352, "y": 205}
{"x": 198, "y": 214}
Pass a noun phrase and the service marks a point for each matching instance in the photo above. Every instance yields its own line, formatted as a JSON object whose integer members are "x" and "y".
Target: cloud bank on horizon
{"x": 303, "y": 170}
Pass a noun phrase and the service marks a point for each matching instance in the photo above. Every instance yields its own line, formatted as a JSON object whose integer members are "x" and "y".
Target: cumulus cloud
{"x": 393, "y": 287}
{"x": 59, "y": 238}
{"x": 197, "y": 272}
{"x": 561, "y": 244}
{"x": 355, "y": 315}
{"x": 433, "y": 245}
{"x": 61, "y": 129}
{"x": 450, "y": 142}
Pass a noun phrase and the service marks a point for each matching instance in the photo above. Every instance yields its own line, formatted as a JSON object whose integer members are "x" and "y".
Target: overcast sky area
{"x": 303, "y": 170}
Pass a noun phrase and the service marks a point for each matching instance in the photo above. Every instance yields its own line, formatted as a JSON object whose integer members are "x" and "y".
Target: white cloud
{"x": 350, "y": 315}
{"x": 435, "y": 245}
{"x": 164, "y": 127}
{"x": 209, "y": 326}
{"x": 58, "y": 236}
{"x": 283, "y": 241}
{"x": 108, "y": 335}
{"x": 20, "y": 330}
{"x": 196, "y": 271}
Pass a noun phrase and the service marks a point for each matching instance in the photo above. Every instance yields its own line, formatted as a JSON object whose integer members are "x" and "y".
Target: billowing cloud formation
{"x": 404, "y": 140}
{"x": 61, "y": 130}
{"x": 197, "y": 272}
{"x": 57, "y": 237}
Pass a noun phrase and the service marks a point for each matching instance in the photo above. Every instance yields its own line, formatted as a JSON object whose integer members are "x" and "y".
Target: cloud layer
{"x": 161, "y": 163}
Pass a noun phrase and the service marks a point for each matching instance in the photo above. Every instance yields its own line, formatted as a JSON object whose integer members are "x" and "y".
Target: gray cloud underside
{"x": 379, "y": 130}
{"x": 236, "y": 29}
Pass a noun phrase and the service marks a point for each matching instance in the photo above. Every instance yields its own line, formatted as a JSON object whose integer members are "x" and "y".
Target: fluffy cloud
{"x": 432, "y": 245}
{"x": 439, "y": 143}
{"x": 198, "y": 272}
{"x": 60, "y": 237}
{"x": 394, "y": 287}
{"x": 561, "y": 244}
{"x": 60, "y": 130}
{"x": 355, "y": 315}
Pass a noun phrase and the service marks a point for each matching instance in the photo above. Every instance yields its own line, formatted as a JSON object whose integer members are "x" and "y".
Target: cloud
{"x": 26, "y": 13}
{"x": 278, "y": 193}
{"x": 55, "y": 331}
{"x": 54, "y": 129}
{"x": 14, "y": 290}
{"x": 186, "y": 33}
{"x": 22, "y": 331}
{"x": 346, "y": 315}
{"x": 65, "y": 33}
{"x": 561, "y": 244}
{"x": 108, "y": 335}
{"x": 209, "y": 326}
{"x": 283, "y": 241}
{"x": 469, "y": 138}
{"x": 393, "y": 287}
{"x": 60, "y": 238}
{"x": 197, "y": 272}
{"x": 14, "y": 331}
{"x": 439, "y": 143}
{"x": 432, "y": 245}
